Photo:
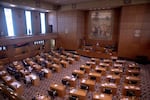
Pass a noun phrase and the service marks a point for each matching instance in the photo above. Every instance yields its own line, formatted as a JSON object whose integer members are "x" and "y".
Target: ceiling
{"x": 65, "y": 2}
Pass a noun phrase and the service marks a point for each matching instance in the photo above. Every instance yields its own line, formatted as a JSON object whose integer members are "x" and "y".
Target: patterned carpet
{"x": 30, "y": 92}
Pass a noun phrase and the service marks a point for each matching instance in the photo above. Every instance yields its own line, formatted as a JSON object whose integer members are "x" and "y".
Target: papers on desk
{"x": 8, "y": 78}
{"x": 56, "y": 85}
{"x": 118, "y": 65}
{"x": 15, "y": 84}
{"x": 83, "y": 81}
{"x": 45, "y": 70}
{"x": 108, "y": 84}
{"x": 73, "y": 90}
{"x": 33, "y": 76}
{"x": 101, "y": 95}
{"x": 132, "y": 87}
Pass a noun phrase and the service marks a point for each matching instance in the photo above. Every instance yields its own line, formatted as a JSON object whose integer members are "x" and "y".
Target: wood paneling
{"x": 70, "y": 29}
{"x": 135, "y": 18}
{"x": 22, "y": 47}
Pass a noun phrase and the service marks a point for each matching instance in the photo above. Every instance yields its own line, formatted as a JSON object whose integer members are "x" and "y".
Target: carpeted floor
{"x": 30, "y": 92}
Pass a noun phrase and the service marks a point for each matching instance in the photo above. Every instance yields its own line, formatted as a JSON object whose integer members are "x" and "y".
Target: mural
{"x": 101, "y": 25}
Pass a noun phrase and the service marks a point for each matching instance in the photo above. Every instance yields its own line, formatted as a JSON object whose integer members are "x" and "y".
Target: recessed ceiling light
{"x": 32, "y": 8}
{"x": 12, "y": 5}
{"x": 47, "y": 10}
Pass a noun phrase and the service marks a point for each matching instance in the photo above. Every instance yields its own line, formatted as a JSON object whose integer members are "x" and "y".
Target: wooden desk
{"x": 81, "y": 94}
{"x": 108, "y": 61}
{"x": 129, "y": 98}
{"x": 71, "y": 60}
{"x": 76, "y": 57}
{"x": 19, "y": 67}
{"x": 100, "y": 70}
{"x": 63, "y": 57}
{"x": 96, "y": 60}
{"x": 57, "y": 67}
{"x": 3, "y": 73}
{"x": 59, "y": 88}
{"x": 116, "y": 71}
{"x": 116, "y": 65}
{"x": 17, "y": 87}
{"x": 102, "y": 96}
{"x": 128, "y": 80}
{"x": 120, "y": 61}
{"x": 133, "y": 66}
{"x": 35, "y": 79}
{"x": 49, "y": 57}
{"x": 24, "y": 72}
{"x": 135, "y": 89}
{"x": 39, "y": 60}
{"x": 48, "y": 64}
{"x": 64, "y": 63}
{"x": 134, "y": 72}
{"x": 68, "y": 54}
{"x": 95, "y": 54}
{"x": 79, "y": 73}
{"x": 10, "y": 93}
{"x": 89, "y": 83}
{"x": 37, "y": 67}
{"x": 56, "y": 60}
{"x": 111, "y": 86}
{"x": 90, "y": 63}
{"x": 15, "y": 63}
{"x": 57, "y": 54}
{"x": 87, "y": 68}
{"x": 114, "y": 77}
{"x": 47, "y": 72}
{"x": 42, "y": 97}
{"x": 31, "y": 63}
{"x": 1, "y": 67}
{"x": 8, "y": 79}
{"x": 71, "y": 80}
{"x": 105, "y": 65}
{"x": 96, "y": 75}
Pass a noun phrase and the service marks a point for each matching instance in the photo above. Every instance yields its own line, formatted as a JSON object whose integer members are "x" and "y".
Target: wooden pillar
{"x": 11, "y": 53}
{"x": 47, "y": 46}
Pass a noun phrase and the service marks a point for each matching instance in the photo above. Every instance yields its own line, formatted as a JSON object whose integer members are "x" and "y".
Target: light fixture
{"x": 47, "y": 10}
{"x": 12, "y": 5}
{"x": 32, "y": 8}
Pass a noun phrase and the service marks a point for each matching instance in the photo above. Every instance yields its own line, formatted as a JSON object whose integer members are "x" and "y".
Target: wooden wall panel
{"x": 70, "y": 28}
{"x": 135, "y": 18}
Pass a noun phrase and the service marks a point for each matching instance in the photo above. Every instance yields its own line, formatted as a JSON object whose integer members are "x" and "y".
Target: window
{"x": 43, "y": 29}
{"x": 9, "y": 21}
{"x": 38, "y": 42}
{"x": 28, "y": 22}
{"x": 2, "y": 48}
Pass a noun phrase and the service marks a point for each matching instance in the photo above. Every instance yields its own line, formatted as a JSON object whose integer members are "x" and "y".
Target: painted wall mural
{"x": 101, "y": 25}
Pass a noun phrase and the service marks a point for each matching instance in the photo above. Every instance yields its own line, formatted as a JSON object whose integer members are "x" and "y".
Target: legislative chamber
{"x": 74, "y": 49}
